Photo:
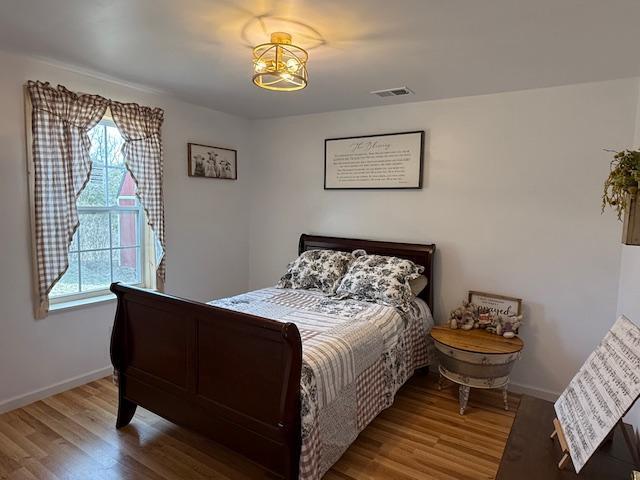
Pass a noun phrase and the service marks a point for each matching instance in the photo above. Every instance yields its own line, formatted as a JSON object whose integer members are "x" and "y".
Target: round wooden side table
{"x": 475, "y": 358}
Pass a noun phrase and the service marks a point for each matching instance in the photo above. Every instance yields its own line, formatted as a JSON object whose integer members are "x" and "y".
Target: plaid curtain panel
{"x": 62, "y": 166}
{"x": 142, "y": 151}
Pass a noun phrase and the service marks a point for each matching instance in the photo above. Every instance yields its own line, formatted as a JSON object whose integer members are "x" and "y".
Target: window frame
{"x": 73, "y": 299}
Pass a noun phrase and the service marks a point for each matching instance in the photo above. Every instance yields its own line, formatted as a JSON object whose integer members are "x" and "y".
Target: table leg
{"x": 463, "y": 396}
{"x": 505, "y": 397}
{"x": 441, "y": 382}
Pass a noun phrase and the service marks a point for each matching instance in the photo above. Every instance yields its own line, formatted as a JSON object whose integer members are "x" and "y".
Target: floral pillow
{"x": 317, "y": 269}
{"x": 380, "y": 279}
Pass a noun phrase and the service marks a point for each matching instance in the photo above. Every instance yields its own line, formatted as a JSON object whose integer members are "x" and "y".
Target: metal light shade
{"x": 279, "y": 65}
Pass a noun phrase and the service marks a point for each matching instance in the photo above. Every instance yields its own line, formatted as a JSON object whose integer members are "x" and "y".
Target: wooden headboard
{"x": 417, "y": 253}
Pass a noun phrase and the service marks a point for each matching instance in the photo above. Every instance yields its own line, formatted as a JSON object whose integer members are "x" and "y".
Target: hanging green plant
{"x": 622, "y": 180}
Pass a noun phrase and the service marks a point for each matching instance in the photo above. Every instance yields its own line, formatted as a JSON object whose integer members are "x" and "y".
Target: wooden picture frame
{"x": 387, "y": 161}
{"x": 496, "y": 303}
{"x": 207, "y": 161}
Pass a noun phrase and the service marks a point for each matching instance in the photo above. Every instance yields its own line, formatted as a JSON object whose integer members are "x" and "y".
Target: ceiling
{"x": 199, "y": 50}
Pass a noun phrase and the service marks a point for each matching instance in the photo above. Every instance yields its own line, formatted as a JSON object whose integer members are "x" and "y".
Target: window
{"x": 108, "y": 245}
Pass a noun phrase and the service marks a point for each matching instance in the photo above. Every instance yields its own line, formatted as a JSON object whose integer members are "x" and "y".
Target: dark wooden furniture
{"x": 530, "y": 453}
{"x": 232, "y": 376}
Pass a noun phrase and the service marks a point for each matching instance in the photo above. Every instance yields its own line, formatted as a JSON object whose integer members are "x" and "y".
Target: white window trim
{"x": 77, "y": 300}
{"x": 106, "y": 296}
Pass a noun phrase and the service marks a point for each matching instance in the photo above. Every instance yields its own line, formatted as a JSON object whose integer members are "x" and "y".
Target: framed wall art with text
{"x": 385, "y": 161}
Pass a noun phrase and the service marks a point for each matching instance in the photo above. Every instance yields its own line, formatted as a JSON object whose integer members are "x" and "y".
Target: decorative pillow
{"x": 317, "y": 269}
{"x": 380, "y": 279}
{"x": 418, "y": 285}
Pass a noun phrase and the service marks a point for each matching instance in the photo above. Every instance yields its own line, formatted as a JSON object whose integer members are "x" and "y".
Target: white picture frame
{"x": 496, "y": 304}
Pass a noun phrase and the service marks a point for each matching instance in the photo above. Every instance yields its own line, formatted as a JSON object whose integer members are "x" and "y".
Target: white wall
{"x": 206, "y": 222}
{"x": 511, "y": 198}
{"x": 629, "y": 288}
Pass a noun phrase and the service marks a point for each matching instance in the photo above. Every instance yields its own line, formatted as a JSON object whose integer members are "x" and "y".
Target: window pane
{"x": 96, "y": 270}
{"x": 124, "y": 229}
{"x": 68, "y": 284}
{"x": 96, "y": 135}
{"x": 94, "y": 194}
{"x": 125, "y": 265}
{"x": 122, "y": 188}
{"x": 114, "y": 146}
{"x": 94, "y": 230}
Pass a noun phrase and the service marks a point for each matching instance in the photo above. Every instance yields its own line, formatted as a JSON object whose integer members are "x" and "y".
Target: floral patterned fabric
{"x": 380, "y": 279}
{"x": 317, "y": 269}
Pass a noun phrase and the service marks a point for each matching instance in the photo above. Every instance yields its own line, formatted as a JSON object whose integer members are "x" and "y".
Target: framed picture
{"x": 212, "y": 162}
{"x": 386, "y": 161}
{"x": 492, "y": 303}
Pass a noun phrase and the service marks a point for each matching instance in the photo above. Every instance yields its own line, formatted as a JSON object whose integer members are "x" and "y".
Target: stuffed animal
{"x": 506, "y": 326}
{"x": 465, "y": 317}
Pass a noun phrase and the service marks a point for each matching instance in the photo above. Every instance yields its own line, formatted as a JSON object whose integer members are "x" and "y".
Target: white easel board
{"x": 603, "y": 390}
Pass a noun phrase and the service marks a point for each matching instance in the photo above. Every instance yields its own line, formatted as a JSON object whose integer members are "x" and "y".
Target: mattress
{"x": 355, "y": 357}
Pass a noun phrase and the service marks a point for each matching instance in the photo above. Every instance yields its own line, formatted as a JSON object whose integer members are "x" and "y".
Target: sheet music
{"x": 601, "y": 392}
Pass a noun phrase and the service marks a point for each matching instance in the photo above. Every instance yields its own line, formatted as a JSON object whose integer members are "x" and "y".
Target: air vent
{"x": 393, "y": 92}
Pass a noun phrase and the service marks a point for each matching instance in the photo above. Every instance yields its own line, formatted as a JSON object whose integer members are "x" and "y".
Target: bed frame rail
{"x": 233, "y": 377}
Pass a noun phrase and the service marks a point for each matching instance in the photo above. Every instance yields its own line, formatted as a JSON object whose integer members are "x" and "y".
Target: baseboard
{"x": 26, "y": 399}
{"x": 22, "y": 400}
{"x": 533, "y": 391}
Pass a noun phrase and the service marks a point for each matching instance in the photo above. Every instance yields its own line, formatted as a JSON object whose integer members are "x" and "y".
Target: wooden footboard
{"x": 233, "y": 377}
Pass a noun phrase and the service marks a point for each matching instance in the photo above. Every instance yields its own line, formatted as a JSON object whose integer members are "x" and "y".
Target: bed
{"x": 234, "y": 370}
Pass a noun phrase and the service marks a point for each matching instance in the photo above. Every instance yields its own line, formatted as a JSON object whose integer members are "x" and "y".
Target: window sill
{"x": 83, "y": 302}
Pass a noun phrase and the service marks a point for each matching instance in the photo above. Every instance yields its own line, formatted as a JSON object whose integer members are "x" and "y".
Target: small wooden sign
{"x": 492, "y": 303}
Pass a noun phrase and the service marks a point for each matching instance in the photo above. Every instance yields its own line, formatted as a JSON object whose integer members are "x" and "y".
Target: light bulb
{"x": 293, "y": 65}
{"x": 260, "y": 66}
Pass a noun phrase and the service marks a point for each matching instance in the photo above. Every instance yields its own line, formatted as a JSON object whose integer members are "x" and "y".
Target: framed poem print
{"x": 212, "y": 162}
{"x": 493, "y": 303}
{"x": 386, "y": 161}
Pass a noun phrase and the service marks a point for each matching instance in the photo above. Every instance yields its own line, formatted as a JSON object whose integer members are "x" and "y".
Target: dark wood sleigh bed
{"x": 231, "y": 376}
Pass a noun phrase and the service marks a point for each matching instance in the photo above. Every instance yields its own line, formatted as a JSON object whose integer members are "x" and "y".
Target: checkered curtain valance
{"x": 60, "y": 120}
{"x": 142, "y": 151}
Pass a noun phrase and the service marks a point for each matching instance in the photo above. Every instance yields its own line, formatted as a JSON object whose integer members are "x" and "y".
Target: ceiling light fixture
{"x": 279, "y": 65}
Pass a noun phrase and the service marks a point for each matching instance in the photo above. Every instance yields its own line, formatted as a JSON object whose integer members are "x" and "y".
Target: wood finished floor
{"x": 72, "y": 436}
